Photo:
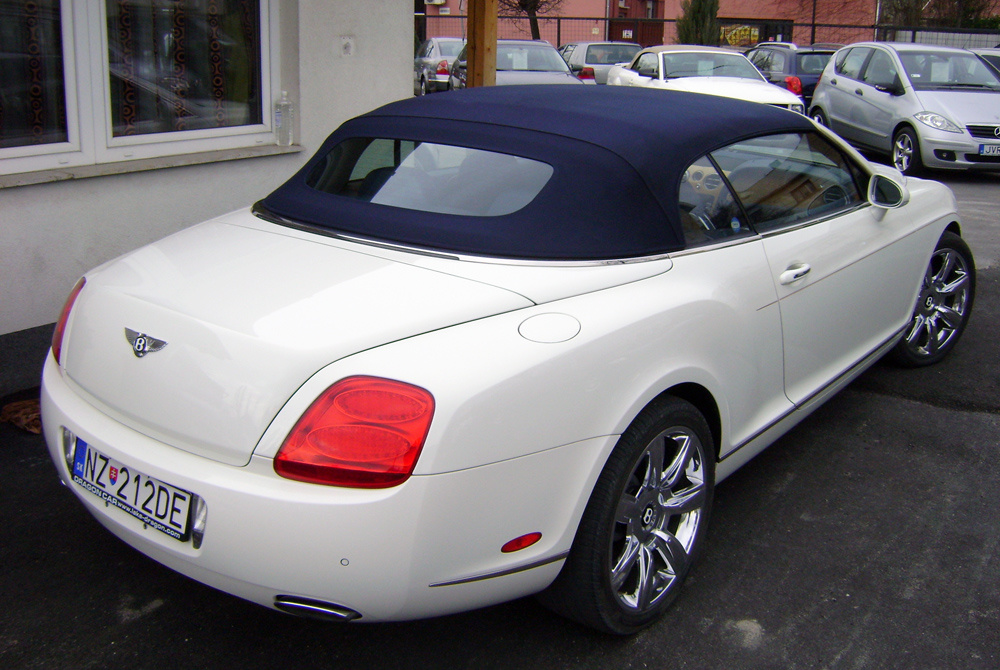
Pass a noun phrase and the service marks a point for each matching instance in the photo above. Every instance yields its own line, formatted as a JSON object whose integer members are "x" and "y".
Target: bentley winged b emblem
{"x": 143, "y": 344}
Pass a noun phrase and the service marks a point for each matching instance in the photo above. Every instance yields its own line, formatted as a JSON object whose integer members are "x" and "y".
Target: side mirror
{"x": 649, "y": 71}
{"x": 886, "y": 192}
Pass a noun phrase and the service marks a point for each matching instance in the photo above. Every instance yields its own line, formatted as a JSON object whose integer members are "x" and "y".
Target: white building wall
{"x": 340, "y": 58}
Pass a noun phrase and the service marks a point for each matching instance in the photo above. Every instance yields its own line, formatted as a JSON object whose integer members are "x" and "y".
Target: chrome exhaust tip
{"x": 314, "y": 609}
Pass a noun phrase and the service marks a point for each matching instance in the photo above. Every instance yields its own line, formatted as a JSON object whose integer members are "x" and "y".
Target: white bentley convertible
{"x": 481, "y": 347}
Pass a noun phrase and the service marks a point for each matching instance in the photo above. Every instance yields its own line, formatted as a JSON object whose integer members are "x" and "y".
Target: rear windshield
{"x": 812, "y": 63}
{"x": 428, "y": 177}
{"x": 609, "y": 54}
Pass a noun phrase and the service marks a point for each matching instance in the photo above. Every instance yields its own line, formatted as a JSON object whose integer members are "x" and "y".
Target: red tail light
{"x": 57, "y": 336}
{"x": 794, "y": 84}
{"x": 443, "y": 67}
{"x": 585, "y": 73}
{"x": 362, "y": 432}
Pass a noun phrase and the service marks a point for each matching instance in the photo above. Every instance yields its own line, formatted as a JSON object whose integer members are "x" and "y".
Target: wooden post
{"x": 481, "y": 58}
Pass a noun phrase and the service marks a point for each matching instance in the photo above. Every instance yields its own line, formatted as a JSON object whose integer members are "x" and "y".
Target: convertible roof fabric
{"x": 617, "y": 154}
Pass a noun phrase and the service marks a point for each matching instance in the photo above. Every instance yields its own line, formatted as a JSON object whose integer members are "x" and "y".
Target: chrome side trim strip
{"x": 502, "y": 573}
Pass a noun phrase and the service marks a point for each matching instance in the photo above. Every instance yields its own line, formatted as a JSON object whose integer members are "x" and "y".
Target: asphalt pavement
{"x": 865, "y": 538}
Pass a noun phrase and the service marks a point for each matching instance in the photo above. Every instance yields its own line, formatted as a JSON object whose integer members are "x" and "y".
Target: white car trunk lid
{"x": 246, "y": 317}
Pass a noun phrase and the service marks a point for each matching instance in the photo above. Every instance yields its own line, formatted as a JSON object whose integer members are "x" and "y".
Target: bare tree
{"x": 531, "y": 9}
{"x": 940, "y": 13}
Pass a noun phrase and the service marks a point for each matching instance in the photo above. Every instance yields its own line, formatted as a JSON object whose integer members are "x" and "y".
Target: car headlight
{"x": 937, "y": 121}
{"x": 801, "y": 109}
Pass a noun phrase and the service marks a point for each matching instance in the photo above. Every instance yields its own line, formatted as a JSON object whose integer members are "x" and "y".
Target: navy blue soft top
{"x": 617, "y": 155}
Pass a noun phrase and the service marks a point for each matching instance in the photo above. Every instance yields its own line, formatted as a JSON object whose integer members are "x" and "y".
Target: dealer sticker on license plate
{"x": 989, "y": 149}
{"x": 157, "y": 504}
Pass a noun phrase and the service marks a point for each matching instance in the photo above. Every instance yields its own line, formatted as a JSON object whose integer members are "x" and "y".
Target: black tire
{"x": 631, "y": 524}
{"x": 943, "y": 307}
{"x": 906, "y": 152}
{"x": 818, "y": 116}
{"x": 423, "y": 87}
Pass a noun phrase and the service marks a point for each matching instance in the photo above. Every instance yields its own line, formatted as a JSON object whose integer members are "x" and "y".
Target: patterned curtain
{"x": 183, "y": 65}
{"x": 32, "y": 92}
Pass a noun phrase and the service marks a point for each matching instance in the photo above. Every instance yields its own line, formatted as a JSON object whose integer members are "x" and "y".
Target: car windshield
{"x": 609, "y": 54}
{"x": 937, "y": 70}
{"x": 529, "y": 58}
{"x": 451, "y": 49}
{"x": 707, "y": 64}
{"x": 427, "y": 177}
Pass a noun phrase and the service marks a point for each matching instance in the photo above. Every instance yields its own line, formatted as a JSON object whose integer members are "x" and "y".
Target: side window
{"x": 785, "y": 179}
{"x": 647, "y": 62}
{"x": 708, "y": 211}
{"x": 881, "y": 70}
{"x": 777, "y": 63}
{"x": 849, "y": 62}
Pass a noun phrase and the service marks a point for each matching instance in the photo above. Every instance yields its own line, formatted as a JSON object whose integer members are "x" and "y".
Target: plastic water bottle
{"x": 283, "y": 121}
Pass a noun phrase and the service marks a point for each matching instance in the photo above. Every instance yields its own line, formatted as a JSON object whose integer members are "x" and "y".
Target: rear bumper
{"x": 430, "y": 546}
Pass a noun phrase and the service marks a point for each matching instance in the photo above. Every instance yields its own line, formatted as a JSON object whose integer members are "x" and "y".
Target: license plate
{"x": 157, "y": 504}
{"x": 989, "y": 149}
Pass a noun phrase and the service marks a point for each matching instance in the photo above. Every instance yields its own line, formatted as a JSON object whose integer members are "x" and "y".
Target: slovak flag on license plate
{"x": 114, "y": 475}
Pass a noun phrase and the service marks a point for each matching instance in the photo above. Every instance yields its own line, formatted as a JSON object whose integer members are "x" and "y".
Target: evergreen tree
{"x": 698, "y": 23}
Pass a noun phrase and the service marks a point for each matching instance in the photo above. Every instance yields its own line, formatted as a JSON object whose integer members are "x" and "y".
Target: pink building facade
{"x": 743, "y": 22}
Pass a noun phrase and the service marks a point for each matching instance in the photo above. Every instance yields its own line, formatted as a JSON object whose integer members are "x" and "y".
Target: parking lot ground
{"x": 868, "y": 537}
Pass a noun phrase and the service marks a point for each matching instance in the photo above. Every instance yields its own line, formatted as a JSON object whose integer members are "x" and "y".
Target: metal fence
{"x": 736, "y": 34}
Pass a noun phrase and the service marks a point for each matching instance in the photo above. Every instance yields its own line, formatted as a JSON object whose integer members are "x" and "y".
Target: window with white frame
{"x": 100, "y": 81}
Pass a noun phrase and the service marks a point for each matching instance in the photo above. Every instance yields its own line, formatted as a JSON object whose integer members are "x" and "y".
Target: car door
{"x": 844, "y": 271}
{"x": 878, "y": 94}
{"x": 843, "y": 113}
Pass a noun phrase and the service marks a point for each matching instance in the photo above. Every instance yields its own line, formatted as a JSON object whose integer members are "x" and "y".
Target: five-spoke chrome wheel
{"x": 943, "y": 304}
{"x": 906, "y": 152}
{"x": 644, "y": 524}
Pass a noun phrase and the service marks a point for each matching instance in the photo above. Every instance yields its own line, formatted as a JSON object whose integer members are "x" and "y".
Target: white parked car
{"x": 479, "y": 347}
{"x": 701, "y": 69}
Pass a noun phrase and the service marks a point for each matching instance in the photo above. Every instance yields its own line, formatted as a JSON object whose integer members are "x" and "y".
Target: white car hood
{"x": 963, "y": 107}
{"x": 250, "y": 310}
{"x": 735, "y": 87}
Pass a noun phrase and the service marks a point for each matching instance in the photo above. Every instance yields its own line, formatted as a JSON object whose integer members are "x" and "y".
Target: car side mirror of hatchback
{"x": 895, "y": 88}
{"x": 886, "y": 192}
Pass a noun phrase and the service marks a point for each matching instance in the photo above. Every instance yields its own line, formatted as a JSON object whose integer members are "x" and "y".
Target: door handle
{"x": 858, "y": 91}
{"x": 794, "y": 273}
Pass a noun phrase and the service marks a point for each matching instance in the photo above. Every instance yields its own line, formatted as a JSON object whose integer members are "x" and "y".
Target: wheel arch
{"x": 704, "y": 402}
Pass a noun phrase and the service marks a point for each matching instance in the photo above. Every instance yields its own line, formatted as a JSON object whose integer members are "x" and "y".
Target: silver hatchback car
{"x": 927, "y": 106}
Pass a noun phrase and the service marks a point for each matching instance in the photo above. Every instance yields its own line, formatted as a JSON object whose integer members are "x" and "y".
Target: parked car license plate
{"x": 989, "y": 149}
{"x": 157, "y": 504}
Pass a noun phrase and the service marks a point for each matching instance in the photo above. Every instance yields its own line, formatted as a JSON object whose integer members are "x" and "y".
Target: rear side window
{"x": 849, "y": 62}
{"x": 427, "y": 177}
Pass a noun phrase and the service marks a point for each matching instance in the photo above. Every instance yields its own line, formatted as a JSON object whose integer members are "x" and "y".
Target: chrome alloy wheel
{"x": 903, "y": 151}
{"x": 657, "y": 520}
{"x": 942, "y": 306}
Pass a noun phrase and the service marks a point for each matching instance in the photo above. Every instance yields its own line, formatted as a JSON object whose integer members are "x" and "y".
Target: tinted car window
{"x": 789, "y": 178}
{"x": 609, "y": 54}
{"x": 812, "y": 63}
{"x": 849, "y": 62}
{"x": 427, "y": 177}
